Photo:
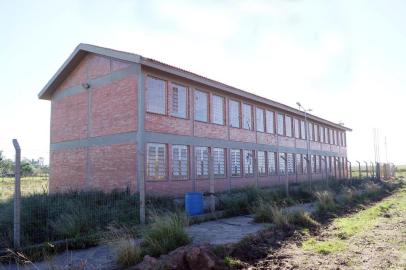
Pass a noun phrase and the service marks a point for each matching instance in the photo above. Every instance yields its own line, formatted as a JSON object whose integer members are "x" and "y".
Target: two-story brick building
{"x": 119, "y": 119}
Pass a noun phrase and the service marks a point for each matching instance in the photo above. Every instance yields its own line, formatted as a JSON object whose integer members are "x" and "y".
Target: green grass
{"x": 324, "y": 247}
{"x": 29, "y": 186}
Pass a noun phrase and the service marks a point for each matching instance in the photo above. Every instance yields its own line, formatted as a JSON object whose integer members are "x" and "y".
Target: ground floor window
{"x": 261, "y": 163}
{"x": 180, "y": 162}
{"x": 299, "y": 164}
{"x": 219, "y": 162}
{"x": 282, "y": 163}
{"x": 202, "y": 161}
{"x": 156, "y": 161}
{"x": 271, "y": 163}
{"x": 290, "y": 163}
{"x": 248, "y": 162}
{"x": 235, "y": 157}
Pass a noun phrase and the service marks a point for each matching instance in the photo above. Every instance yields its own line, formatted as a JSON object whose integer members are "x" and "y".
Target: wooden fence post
{"x": 17, "y": 196}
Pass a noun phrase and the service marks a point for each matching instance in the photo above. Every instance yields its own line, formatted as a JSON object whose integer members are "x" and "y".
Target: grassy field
{"x": 29, "y": 185}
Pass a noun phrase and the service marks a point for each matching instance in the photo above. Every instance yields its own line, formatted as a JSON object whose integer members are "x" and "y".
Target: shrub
{"x": 166, "y": 233}
{"x": 347, "y": 196}
{"x": 235, "y": 204}
{"x": 372, "y": 189}
{"x": 302, "y": 219}
{"x": 325, "y": 201}
{"x": 279, "y": 219}
{"x": 262, "y": 211}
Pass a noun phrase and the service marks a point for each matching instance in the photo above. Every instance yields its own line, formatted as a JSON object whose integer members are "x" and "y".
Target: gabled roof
{"x": 82, "y": 49}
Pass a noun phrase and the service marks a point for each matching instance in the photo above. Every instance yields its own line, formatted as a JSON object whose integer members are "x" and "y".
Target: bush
{"x": 235, "y": 204}
{"x": 325, "y": 201}
{"x": 372, "y": 189}
{"x": 262, "y": 211}
{"x": 302, "y": 219}
{"x": 279, "y": 219}
{"x": 165, "y": 234}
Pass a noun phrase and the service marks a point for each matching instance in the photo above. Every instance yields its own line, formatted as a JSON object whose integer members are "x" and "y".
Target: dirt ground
{"x": 380, "y": 243}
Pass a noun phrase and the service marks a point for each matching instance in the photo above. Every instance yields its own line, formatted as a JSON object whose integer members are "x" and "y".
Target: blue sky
{"x": 345, "y": 59}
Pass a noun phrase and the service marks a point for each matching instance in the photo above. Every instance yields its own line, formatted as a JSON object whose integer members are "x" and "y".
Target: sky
{"x": 344, "y": 59}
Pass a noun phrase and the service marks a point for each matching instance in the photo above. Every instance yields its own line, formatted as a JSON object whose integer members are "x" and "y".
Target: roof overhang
{"x": 82, "y": 49}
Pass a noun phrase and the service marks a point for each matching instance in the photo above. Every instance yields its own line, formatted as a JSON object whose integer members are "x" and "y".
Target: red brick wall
{"x": 242, "y": 135}
{"x": 167, "y": 124}
{"x": 210, "y": 130}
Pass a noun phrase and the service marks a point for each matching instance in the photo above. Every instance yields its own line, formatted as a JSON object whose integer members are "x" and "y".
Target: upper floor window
{"x": 331, "y": 137}
{"x": 156, "y": 95}
{"x": 296, "y": 127}
{"x": 280, "y": 127}
{"x": 234, "y": 113}
{"x": 248, "y": 162}
{"x": 288, "y": 123}
{"x": 235, "y": 158}
{"x": 247, "y": 116}
{"x": 201, "y": 106}
{"x": 261, "y": 163}
{"x": 316, "y": 132}
{"x": 179, "y": 101}
{"x": 270, "y": 122}
{"x": 321, "y": 132}
{"x": 326, "y": 135}
{"x": 311, "y": 131}
{"x": 218, "y": 110}
{"x": 259, "y": 116}
{"x": 180, "y": 161}
{"x": 303, "y": 134}
{"x": 156, "y": 161}
{"x": 271, "y": 163}
{"x": 219, "y": 162}
{"x": 202, "y": 161}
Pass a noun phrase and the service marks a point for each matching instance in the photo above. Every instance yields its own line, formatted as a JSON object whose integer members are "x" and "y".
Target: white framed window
{"x": 313, "y": 163}
{"x": 271, "y": 163}
{"x": 201, "y": 106}
{"x": 179, "y": 101}
{"x": 248, "y": 162}
{"x": 180, "y": 161}
{"x": 259, "y": 117}
{"x": 202, "y": 161}
{"x": 316, "y": 132}
{"x": 235, "y": 159}
{"x": 280, "y": 128}
{"x": 296, "y": 126}
{"x": 310, "y": 127}
{"x": 299, "y": 164}
{"x": 282, "y": 163}
{"x": 218, "y": 110}
{"x": 303, "y": 132}
{"x": 156, "y": 161}
{"x": 318, "y": 167}
{"x": 270, "y": 122}
{"x": 290, "y": 163}
{"x": 326, "y": 135}
{"x": 247, "y": 116}
{"x": 305, "y": 164}
{"x": 331, "y": 137}
{"x": 156, "y": 95}
{"x": 288, "y": 124}
{"x": 219, "y": 162}
{"x": 261, "y": 160}
{"x": 234, "y": 113}
{"x": 321, "y": 131}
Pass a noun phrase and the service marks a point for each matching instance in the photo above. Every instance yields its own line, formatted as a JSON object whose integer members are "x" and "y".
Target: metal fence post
{"x": 17, "y": 195}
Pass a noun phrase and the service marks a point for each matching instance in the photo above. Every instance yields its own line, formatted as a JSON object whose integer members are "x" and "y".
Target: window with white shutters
{"x": 282, "y": 163}
{"x": 247, "y": 116}
{"x": 248, "y": 162}
{"x": 201, "y": 106}
{"x": 202, "y": 161}
{"x": 259, "y": 116}
{"x": 179, "y": 101}
{"x": 288, "y": 124}
{"x": 280, "y": 128}
{"x": 156, "y": 161}
{"x": 156, "y": 95}
{"x": 271, "y": 163}
{"x": 219, "y": 162}
{"x": 291, "y": 163}
{"x": 261, "y": 163}
{"x": 234, "y": 113}
{"x": 235, "y": 158}
{"x": 299, "y": 164}
{"x": 270, "y": 122}
{"x": 218, "y": 110}
{"x": 180, "y": 162}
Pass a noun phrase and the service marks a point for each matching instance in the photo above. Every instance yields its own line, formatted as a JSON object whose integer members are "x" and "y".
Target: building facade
{"x": 122, "y": 121}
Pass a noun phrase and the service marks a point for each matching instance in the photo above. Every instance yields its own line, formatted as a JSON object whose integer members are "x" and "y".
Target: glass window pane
{"x": 219, "y": 162}
{"x": 297, "y": 128}
{"x": 311, "y": 131}
{"x": 155, "y": 95}
{"x": 259, "y": 115}
{"x": 234, "y": 113}
{"x": 291, "y": 163}
{"x": 180, "y": 161}
{"x": 270, "y": 122}
{"x": 235, "y": 157}
{"x": 303, "y": 130}
{"x": 201, "y": 106}
{"x": 271, "y": 163}
{"x": 288, "y": 123}
{"x": 280, "y": 127}
{"x": 261, "y": 163}
{"x": 321, "y": 132}
{"x": 282, "y": 163}
{"x": 179, "y": 101}
{"x": 202, "y": 161}
{"x": 248, "y": 162}
{"x": 316, "y": 132}
{"x": 218, "y": 110}
{"x": 247, "y": 116}
{"x": 156, "y": 161}
{"x": 299, "y": 164}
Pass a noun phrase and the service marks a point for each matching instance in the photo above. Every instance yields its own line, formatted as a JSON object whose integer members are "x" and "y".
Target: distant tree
{"x": 26, "y": 168}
